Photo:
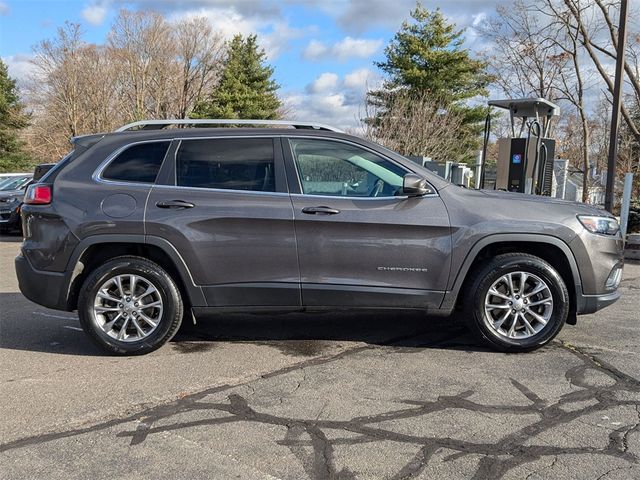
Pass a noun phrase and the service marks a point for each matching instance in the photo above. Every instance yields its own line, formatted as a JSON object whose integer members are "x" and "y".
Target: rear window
{"x": 139, "y": 163}
{"x": 230, "y": 163}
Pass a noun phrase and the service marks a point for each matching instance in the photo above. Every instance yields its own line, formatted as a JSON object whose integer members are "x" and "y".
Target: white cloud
{"x": 274, "y": 34}
{"x": 95, "y": 13}
{"x": 360, "y": 79}
{"x": 343, "y": 50}
{"x": 315, "y": 49}
{"x": 4, "y": 8}
{"x": 20, "y": 67}
{"x": 333, "y": 100}
{"x": 325, "y": 82}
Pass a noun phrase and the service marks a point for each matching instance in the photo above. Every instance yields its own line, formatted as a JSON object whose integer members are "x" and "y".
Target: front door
{"x": 361, "y": 243}
{"x": 226, "y": 210}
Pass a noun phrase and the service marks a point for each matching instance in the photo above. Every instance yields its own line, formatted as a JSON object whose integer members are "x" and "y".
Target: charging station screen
{"x": 516, "y": 158}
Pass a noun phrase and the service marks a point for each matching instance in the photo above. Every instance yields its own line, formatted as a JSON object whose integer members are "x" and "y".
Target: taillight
{"x": 38, "y": 195}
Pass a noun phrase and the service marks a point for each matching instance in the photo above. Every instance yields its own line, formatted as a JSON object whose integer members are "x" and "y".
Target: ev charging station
{"x": 525, "y": 160}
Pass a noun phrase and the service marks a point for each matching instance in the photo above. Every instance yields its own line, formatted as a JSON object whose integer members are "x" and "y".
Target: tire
{"x": 523, "y": 329}
{"x": 158, "y": 301}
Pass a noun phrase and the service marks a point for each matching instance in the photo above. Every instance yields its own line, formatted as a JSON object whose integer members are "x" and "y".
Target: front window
{"x": 339, "y": 169}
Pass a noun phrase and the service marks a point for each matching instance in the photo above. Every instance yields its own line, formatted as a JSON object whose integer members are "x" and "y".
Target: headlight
{"x": 14, "y": 200}
{"x": 602, "y": 225}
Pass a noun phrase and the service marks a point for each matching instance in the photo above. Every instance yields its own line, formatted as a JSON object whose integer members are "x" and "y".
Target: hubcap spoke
{"x": 138, "y": 327}
{"x": 106, "y": 296}
{"x": 499, "y": 323}
{"x": 109, "y": 325}
{"x": 539, "y": 288}
{"x": 510, "y": 283}
{"x": 494, "y": 307}
{"x": 101, "y": 309}
{"x": 148, "y": 320}
{"x": 496, "y": 293}
{"x": 132, "y": 284}
{"x": 123, "y": 330}
{"x": 118, "y": 282}
{"x": 523, "y": 282}
{"x": 539, "y": 318}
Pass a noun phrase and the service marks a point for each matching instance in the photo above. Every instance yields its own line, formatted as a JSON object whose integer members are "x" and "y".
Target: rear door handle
{"x": 320, "y": 211}
{"x": 175, "y": 204}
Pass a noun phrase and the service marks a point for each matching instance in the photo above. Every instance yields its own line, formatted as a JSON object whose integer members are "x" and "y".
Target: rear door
{"x": 360, "y": 241}
{"x": 226, "y": 210}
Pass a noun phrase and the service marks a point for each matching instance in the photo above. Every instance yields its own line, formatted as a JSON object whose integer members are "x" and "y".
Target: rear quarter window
{"x": 138, "y": 164}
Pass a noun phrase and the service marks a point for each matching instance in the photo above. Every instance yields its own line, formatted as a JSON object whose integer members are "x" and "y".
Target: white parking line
{"x": 54, "y": 316}
{"x": 72, "y": 328}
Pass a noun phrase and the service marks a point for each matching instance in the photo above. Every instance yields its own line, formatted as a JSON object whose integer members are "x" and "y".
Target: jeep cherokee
{"x": 136, "y": 227}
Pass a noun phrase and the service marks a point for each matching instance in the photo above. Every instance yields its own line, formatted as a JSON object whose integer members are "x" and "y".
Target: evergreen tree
{"x": 12, "y": 119}
{"x": 426, "y": 58}
{"x": 246, "y": 89}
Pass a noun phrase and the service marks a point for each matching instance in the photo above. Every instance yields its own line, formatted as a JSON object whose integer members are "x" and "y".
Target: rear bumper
{"x": 592, "y": 303}
{"x": 44, "y": 288}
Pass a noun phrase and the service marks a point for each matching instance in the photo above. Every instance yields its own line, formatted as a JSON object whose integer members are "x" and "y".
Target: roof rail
{"x": 160, "y": 124}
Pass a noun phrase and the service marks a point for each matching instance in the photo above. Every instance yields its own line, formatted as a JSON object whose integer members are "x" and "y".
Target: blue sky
{"x": 323, "y": 51}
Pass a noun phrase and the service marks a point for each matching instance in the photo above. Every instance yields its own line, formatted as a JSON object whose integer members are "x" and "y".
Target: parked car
{"x": 138, "y": 227}
{"x": 12, "y": 190}
{"x": 7, "y": 179}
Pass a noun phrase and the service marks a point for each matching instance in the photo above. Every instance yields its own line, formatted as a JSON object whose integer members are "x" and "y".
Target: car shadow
{"x": 25, "y": 326}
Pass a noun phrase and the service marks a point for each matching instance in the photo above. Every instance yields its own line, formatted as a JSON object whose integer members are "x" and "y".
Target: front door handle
{"x": 175, "y": 204}
{"x": 320, "y": 211}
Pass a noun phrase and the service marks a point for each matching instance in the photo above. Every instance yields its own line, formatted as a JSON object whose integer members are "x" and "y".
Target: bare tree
{"x": 140, "y": 43}
{"x": 150, "y": 68}
{"x": 571, "y": 81}
{"x": 524, "y": 52}
{"x": 598, "y": 48}
{"x": 416, "y": 125}
{"x": 200, "y": 52}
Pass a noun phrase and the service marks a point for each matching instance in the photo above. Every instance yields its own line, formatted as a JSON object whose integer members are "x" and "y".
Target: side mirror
{"x": 414, "y": 185}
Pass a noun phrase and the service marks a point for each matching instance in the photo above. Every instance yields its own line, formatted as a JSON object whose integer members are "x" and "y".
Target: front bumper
{"x": 592, "y": 303}
{"x": 9, "y": 219}
{"x": 48, "y": 289}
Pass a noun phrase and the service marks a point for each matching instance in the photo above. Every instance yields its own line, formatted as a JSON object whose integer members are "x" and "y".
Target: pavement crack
{"x": 545, "y": 467}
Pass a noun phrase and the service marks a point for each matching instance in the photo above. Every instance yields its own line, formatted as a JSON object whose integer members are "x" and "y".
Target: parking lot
{"x": 318, "y": 396}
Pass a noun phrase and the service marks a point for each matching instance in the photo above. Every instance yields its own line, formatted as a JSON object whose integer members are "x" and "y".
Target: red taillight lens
{"x": 38, "y": 195}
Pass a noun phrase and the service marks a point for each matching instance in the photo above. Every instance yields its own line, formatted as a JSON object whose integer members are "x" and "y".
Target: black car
{"x": 12, "y": 192}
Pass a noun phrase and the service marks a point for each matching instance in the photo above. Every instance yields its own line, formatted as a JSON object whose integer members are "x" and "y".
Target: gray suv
{"x": 136, "y": 228}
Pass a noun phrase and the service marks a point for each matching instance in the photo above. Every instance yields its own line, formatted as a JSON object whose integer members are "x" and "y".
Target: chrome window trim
{"x": 340, "y": 140}
{"x": 97, "y": 174}
{"x": 398, "y": 197}
{"x": 222, "y": 190}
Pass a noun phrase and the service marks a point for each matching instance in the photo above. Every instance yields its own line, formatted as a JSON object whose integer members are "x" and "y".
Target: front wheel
{"x": 518, "y": 303}
{"x": 130, "y": 306}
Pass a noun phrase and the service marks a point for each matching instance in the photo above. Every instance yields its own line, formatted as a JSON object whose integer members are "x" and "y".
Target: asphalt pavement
{"x": 319, "y": 396}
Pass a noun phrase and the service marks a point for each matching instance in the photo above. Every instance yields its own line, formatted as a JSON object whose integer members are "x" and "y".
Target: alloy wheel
{"x": 128, "y": 307}
{"x": 518, "y": 305}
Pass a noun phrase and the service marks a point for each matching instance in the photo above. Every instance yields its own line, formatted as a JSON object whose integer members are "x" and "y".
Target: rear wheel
{"x": 518, "y": 303}
{"x": 130, "y": 306}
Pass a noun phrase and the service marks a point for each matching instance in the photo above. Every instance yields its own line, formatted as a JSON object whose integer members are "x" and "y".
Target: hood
{"x": 539, "y": 199}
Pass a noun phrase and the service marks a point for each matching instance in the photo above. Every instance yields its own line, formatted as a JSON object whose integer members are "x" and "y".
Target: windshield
{"x": 13, "y": 183}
